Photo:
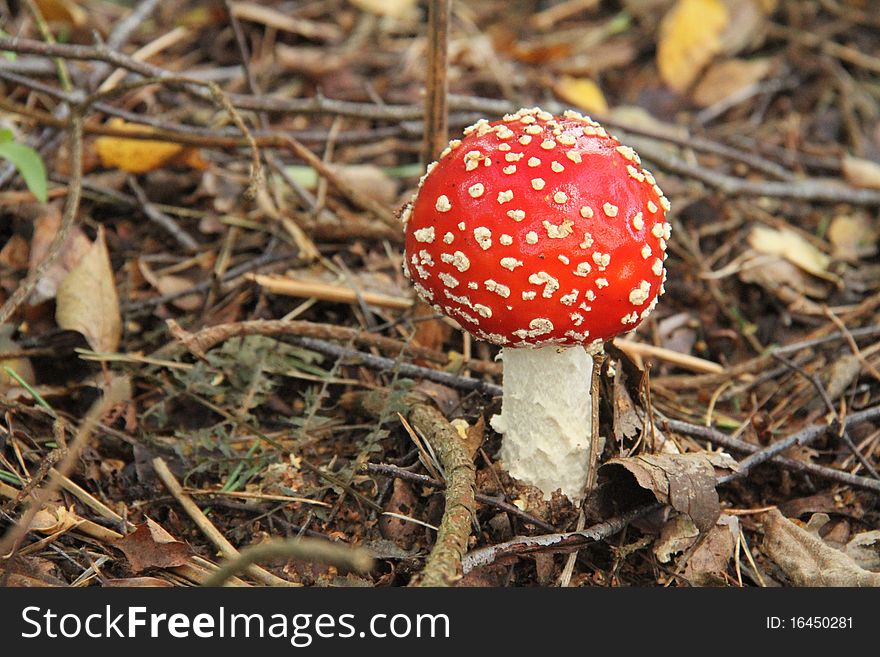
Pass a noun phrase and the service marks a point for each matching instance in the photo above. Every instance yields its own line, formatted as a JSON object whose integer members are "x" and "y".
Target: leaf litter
{"x": 712, "y": 93}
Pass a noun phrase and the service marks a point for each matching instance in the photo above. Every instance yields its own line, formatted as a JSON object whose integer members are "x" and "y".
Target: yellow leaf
{"x": 87, "y": 301}
{"x": 134, "y": 155}
{"x": 690, "y": 37}
{"x": 62, "y": 11}
{"x": 582, "y": 93}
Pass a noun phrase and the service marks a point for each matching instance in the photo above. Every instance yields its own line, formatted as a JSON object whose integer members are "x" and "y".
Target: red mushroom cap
{"x": 538, "y": 229}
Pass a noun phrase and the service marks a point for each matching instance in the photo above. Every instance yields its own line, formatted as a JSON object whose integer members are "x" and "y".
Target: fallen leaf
{"x": 15, "y": 253}
{"x": 708, "y": 564}
{"x": 51, "y": 520}
{"x": 62, "y": 11}
{"x": 627, "y": 423}
{"x": 788, "y": 244}
{"x": 864, "y": 548}
{"x": 723, "y": 79}
{"x": 393, "y": 8}
{"x": 684, "y": 481}
{"x": 168, "y": 284}
{"x": 87, "y": 300}
{"x": 677, "y": 535}
{"x": 75, "y": 246}
{"x": 401, "y": 503}
{"x": 860, "y": 172}
{"x": 582, "y": 93}
{"x": 141, "y": 155}
{"x": 690, "y": 38}
{"x": 806, "y": 559}
{"x": 150, "y": 546}
{"x": 853, "y": 237}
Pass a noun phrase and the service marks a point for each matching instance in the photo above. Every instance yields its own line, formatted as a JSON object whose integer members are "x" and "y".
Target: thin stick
{"x": 436, "y": 84}
{"x": 303, "y": 549}
{"x": 207, "y": 528}
{"x": 326, "y": 291}
{"x": 424, "y": 480}
{"x": 722, "y": 439}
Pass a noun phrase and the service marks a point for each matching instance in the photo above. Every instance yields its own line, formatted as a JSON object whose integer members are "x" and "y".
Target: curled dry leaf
{"x": 864, "y": 548}
{"x": 707, "y": 566}
{"x": 806, "y": 559}
{"x": 684, "y": 481}
{"x": 75, "y": 246}
{"x": 150, "y": 546}
{"x": 52, "y": 520}
{"x": 87, "y": 299}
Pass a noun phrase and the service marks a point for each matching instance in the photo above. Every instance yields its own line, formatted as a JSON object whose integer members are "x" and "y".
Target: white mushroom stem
{"x": 546, "y": 418}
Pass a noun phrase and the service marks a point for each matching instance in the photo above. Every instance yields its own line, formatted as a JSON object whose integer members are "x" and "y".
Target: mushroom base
{"x": 546, "y": 418}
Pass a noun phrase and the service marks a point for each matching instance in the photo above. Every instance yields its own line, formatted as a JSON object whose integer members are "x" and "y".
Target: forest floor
{"x": 207, "y": 341}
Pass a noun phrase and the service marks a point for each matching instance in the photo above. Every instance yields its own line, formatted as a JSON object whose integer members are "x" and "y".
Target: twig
{"x": 303, "y": 549}
{"x": 722, "y": 439}
{"x": 443, "y": 565}
{"x": 161, "y": 219}
{"x": 120, "y": 35}
{"x": 209, "y": 530}
{"x": 404, "y": 369}
{"x": 554, "y": 542}
{"x": 425, "y": 480}
{"x": 436, "y": 84}
{"x": 844, "y": 434}
{"x": 207, "y": 338}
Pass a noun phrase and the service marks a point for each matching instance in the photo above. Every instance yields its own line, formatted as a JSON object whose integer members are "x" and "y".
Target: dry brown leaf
{"x": 690, "y": 38}
{"x": 150, "y": 546}
{"x": 864, "y": 548}
{"x": 707, "y": 566}
{"x": 74, "y": 248}
{"x": 87, "y": 300}
{"x": 401, "y": 503}
{"x": 723, "y": 79}
{"x": 15, "y": 253}
{"x": 806, "y": 559}
{"x": 676, "y": 535}
{"x": 142, "y": 155}
{"x": 861, "y": 173}
{"x": 582, "y": 93}
{"x": 684, "y": 481}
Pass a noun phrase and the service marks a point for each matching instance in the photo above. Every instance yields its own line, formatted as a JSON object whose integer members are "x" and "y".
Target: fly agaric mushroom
{"x": 544, "y": 235}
